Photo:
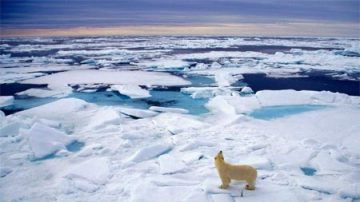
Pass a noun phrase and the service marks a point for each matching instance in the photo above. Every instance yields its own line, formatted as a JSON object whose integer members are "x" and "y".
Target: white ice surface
{"x": 42, "y": 93}
{"x": 206, "y": 92}
{"x": 235, "y": 104}
{"x": 6, "y": 100}
{"x": 45, "y": 140}
{"x": 150, "y": 152}
{"x": 163, "y": 64}
{"x": 155, "y": 157}
{"x": 133, "y": 91}
{"x": 109, "y": 77}
{"x": 95, "y": 170}
{"x": 139, "y": 113}
{"x": 224, "y": 79}
{"x": 169, "y": 109}
{"x": 170, "y": 164}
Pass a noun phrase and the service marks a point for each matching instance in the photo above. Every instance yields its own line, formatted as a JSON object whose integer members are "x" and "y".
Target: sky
{"x": 335, "y": 16}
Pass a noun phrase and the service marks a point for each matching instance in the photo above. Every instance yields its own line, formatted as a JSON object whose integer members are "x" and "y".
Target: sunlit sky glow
{"x": 239, "y": 17}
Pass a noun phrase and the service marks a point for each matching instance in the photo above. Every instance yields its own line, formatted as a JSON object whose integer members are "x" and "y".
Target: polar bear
{"x": 228, "y": 171}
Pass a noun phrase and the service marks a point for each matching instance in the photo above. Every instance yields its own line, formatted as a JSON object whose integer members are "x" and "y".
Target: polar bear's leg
{"x": 225, "y": 182}
{"x": 250, "y": 185}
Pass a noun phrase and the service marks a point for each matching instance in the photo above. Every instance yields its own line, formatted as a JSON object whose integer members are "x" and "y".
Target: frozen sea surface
{"x": 141, "y": 118}
{"x": 272, "y": 112}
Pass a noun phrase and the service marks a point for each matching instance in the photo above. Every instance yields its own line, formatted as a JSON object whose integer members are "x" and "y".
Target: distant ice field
{"x": 140, "y": 118}
{"x": 331, "y": 64}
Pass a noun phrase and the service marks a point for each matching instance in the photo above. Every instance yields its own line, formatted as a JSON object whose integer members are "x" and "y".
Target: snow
{"x": 133, "y": 91}
{"x": 138, "y": 113}
{"x": 169, "y": 109}
{"x": 150, "y": 152}
{"x": 45, "y": 140}
{"x": 206, "y": 92}
{"x": 104, "y": 117}
{"x": 163, "y": 64}
{"x": 224, "y": 79}
{"x": 43, "y": 93}
{"x": 58, "y": 109}
{"x": 119, "y": 149}
{"x": 95, "y": 170}
{"x": 6, "y": 100}
{"x": 233, "y": 104}
{"x": 170, "y": 164}
{"x": 109, "y": 77}
{"x": 247, "y": 90}
{"x": 10, "y": 129}
{"x": 171, "y": 121}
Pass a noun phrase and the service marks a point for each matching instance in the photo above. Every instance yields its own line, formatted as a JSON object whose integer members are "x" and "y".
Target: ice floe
{"x": 95, "y": 170}
{"x": 109, "y": 77}
{"x": 42, "y": 93}
{"x": 164, "y": 64}
{"x": 45, "y": 140}
{"x": 6, "y": 100}
{"x": 169, "y": 109}
{"x": 151, "y": 152}
{"x": 133, "y": 91}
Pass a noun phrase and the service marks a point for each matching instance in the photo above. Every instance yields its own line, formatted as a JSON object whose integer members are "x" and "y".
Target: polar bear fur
{"x": 227, "y": 172}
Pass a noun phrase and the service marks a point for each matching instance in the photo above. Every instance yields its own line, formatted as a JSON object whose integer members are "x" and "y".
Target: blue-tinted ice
{"x": 273, "y": 112}
{"x": 308, "y": 171}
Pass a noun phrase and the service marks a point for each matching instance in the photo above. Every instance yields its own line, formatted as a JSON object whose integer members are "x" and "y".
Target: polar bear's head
{"x": 219, "y": 157}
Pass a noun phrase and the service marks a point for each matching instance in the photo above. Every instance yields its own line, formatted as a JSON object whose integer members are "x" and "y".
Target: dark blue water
{"x": 13, "y": 88}
{"x": 317, "y": 83}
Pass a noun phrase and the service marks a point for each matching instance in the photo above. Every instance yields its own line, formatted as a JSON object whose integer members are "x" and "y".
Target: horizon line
{"x": 295, "y": 29}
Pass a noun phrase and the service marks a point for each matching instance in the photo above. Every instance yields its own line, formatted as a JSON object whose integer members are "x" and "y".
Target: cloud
{"x": 74, "y": 13}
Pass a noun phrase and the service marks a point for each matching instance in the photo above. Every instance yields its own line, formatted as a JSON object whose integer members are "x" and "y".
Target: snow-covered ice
{"x": 6, "y": 100}
{"x": 68, "y": 149}
{"x": 150, "y": 152}
{"x": 109, "y": 77}
{"x": 169, "y": 109}
{"x": 133, "y": 91}
{"x": 45, "y": 140}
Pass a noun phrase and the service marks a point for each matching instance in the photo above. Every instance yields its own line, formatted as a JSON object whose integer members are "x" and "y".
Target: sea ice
{"x": 206, "y": 92}
{"x": 95, "y": 170}
{"x": 151, "y": 152}
{"x": 168, "y": 156}
{"x": 233, "y": 104}
{"x": 45, "y": 140}
{"x": 171, "y": 121}
{"x": 43, "y": 93}
{"x": 246, "y": 90}
{"x": 110, "y": 77}
{"x": 169, "y": 109}
{"x": 133, "y": 91}
{"x": 58, "y": 109}
{"x": 170, "y": 164}
{"x": 163, "y": 64}
{"x": 102, "y": 118}
{"x": 222, "y": 198}
{"x": 6, "y": 100}
{"x": 224, "y": 79}
{"x": 137, "y": 113}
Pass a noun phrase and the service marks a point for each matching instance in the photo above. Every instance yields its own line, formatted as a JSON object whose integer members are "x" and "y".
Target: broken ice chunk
{"x": 45, "y": 140}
